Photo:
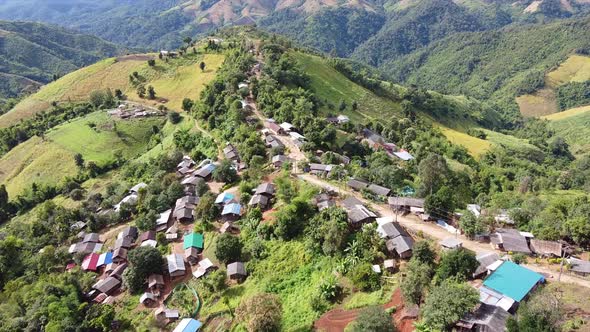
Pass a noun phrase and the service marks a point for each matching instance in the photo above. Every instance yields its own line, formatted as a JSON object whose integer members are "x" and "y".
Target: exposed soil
{"x": 336, "y": 320}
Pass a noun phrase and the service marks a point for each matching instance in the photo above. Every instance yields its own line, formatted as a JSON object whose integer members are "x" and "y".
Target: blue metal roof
{"x": 233, "y": 208}
{"x": 188, "y": 325}
{"x": 223, "y": 198}
{"x": 513, "y": 280}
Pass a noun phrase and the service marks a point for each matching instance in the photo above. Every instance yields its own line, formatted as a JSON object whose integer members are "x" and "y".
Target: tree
{"x": 119, "y": 94}
{"x": 79, "y": 160}
{"x": 187, "y": 40}
{"x": 132, "y": 280}
{"x": 291, "y": 219}
{"x": 433, "y": 172}
{"x": 417, "y": 280}
{"x": 147, "y": 221}
{"x": 187, "y": 104}
{"x": 364, "y": 278}
{"x": 225, "y": 172}
{"x": 146, "y": 260}
{"x": 202, "y": 65}
{"x": 470, "y": 224}
{"x": 151, "y": 62}
{"x": 228, "y": 248}
{"x": 543, "y": 312}
{"x": 206, "y": 210}
{"x": 458, "y": 263}
{"x": 372, "y": 319}
{"x": 141, "y": 91}
{"x": 447, "y": 303}
{"x": 151, "y": 92}
{"x": 442, "y": 203}
{"x": 174, "y": 117}
{"x": 328, "y": 230}
{"x": 260, "y": 313}
{"x": 422, "y": 252}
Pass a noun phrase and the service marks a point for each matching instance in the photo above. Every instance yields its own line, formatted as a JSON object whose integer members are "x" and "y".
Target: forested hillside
{"x": 32, "y": 54}
{"x": 499, "y": 64}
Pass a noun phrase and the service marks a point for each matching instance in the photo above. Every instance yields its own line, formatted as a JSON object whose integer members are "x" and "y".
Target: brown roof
{"x": 155, "y": 279}
{"x": 511, "y": 240}
{"x": 406, "y": 201}
{"x": 107, "y": 285}
{"x": 542, "y": 247}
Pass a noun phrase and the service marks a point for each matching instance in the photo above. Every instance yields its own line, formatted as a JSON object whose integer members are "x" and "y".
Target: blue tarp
{"x": 224, "y": 198}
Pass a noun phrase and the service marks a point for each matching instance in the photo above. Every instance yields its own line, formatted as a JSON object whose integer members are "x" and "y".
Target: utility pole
{"x": 561, "y": 264}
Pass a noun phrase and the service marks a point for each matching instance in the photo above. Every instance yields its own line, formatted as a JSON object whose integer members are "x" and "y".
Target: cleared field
{"x": 48, "y": 161}
{"x": 474, "y": 145}
{"x": 575, "y": 69}
{"x": 574, "y": 126}
{"x": 35, "y": 161}
{"x": 544, "y": 102}
{"x": 540, "y": 103}
{"x": 173, "y": 81}
{"x": 99, "y": 144}
{"x": 332, "y": 87}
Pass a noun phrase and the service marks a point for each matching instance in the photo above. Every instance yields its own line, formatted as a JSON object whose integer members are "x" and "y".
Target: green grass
{"x": 330, "y": 85}
{"x": 474, "y": 145}
{"x": 574, "y": 127}
{"x": 509, "y": 142}
{"x": 49, "y": 160}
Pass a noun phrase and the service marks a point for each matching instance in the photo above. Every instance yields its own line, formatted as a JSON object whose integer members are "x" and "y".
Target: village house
{"x": 508, "y": 285}
{"x": 104, "y": 259}
{"x": 184, "y": 208}
{"x": 259, "y": 201}
{"x": 265, "y": 189}
{"x": 485, "y": 318}
{"x": 323, "y": 201}
{"x": 108, "y": 285}
{"x": 401, "y": 245}
{"x": 320, "y": 170}
{"x": 187, "y": 162}
{"x": 485, "y": 260}
{"x": 451, "y": 243}
{"x": 287, "y": 127}
{"x": 227, "y": 227}
{"x": 190, "y": 183}
{"x": 156, "y": 283}
{"x": 85, "y": 248}
{"x": 579, "y": 267}
{"x": 231, "y": 153}
{"x": 379, "y": 190}
{"x": 120, "y": 255}
{"x": 231, "y": 212}
{"x": 123, "y": 242}
{"x": 163, "y": 220}
{"x": 90, "y": 262}
{"x": 193, "y": 245}
{"x": 118, "y": 271}
{"x": 172, "y": 233}
{"x": 546, "y": 248}
{"x": 374, "y": 140}
{"x": 204, "y": 266}
{"x": 110, "y": 268}
{"x": 236, "y": 271}
{"x": 135, "y": 189}
{"x": 389, "y": 265}
{"x": 163, "y": 314}
{"x": 205, "y": 172}
{"x": 130, "y": 233}
{"x": 188, "y": 325}
{"x": 147, "y": 299}
{"x": 403, "y": 155}
{"x": 130, "y": 200}
{"x": 406, "y": 204}
{"x": 273, "y": 143}
{"x": 509, "y": 240}
{"x": 176, "y": 266}
{"x": 224, "y": 198}
{"x": 148, "y": 235}
{"x": 274, "y": 127}
{"x": 279, "y": 160}
{"x": 91, "y": 238}
{"x": 358, "y": 214}
{"x": 357, "y": 184}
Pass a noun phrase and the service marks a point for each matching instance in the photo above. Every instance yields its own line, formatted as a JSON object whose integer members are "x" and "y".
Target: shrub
{"x": 364, "y": 278}
{"x": 261, "y": 312}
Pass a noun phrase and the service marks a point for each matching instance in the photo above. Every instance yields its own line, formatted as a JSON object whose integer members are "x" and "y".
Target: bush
{"x": 228, "y": 248}
{"x": 372, "y": 319}
{"x": 519, "y": 258}
{"x": 261, "y": 312}
{"x": 364, "y": 278}
{"x": 174, "y": 117}
{"x": 77, "y": 194}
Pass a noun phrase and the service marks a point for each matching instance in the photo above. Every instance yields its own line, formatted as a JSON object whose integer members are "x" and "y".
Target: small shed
{"x": 389, "y": 265}
{"x": 191, "y": 255}
{"x": 194, "y": 240}
{"x": 379, "y": 190}
{"x": 204, "y": 267}
{"x": 236, "y": 271}
{"x": 91, "y": 238}
{"x": 401, "y": 245}
{"x": 485, "y": 260}
{"x": 176, "y": 266}
{"x": 147, "y": 299}
{"x": 265, "y": 189}
{"x": 231, "y": 212}
{"x": 546, "y": 248}
{"x": 579, "y": 267}
{"x": 108, "y": 285}
{"x": 451, "y": 243}
{"x": 224, "y": 198}
{"x": 509, "y": 240}
{"x": 357, "y": 184}
{"x": 260, "y": 201}
{"x": 188, "y": 325}
{"x": 156, "y": 283}
{"x": 123, "y": 242}
{"x": 120, "y": 255}
{"x": 149, "y": 235}
{"x": 118, "y": 271}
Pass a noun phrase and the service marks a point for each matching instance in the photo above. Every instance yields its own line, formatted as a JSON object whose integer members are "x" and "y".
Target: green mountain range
{"x": 32, "y": 53}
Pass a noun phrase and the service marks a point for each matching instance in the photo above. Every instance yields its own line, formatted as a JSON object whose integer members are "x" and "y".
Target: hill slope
{"x": 31, "y": 53}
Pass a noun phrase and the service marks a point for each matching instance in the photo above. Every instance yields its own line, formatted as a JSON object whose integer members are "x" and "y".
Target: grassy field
{"x": 474, "y": 145}
{"x": 173, "y": 81}
{"x": 543, "y": 102}
{"x": 574, "y": 126}
{"x": 48, "y": 161}
{"x": 332, "y": 87}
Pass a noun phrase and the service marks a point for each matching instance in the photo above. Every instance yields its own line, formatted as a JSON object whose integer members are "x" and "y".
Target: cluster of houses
{"x": 283, "y": 129}
{"x": 378, "y": 142}
{"x": 130, "y": 111}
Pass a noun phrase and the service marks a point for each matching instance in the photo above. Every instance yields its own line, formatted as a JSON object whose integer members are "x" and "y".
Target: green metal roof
{"x": 513, "y": 280}
{"x": 193, "y": 240}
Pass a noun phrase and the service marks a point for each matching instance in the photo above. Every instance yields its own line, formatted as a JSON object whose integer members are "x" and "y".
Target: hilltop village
{"x": 262, "y": 206}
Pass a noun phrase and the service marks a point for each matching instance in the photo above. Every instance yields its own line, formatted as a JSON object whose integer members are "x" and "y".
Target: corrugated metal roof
{"x": 513, "y": 280}
{"x": 233, "y": 208}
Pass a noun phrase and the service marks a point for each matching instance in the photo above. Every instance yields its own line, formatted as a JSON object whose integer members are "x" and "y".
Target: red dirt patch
{"x": 336, "y": 320}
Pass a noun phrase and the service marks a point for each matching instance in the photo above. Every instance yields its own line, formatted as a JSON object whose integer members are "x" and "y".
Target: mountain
{"x": 498, "y": 64}
{"x": 32, "y": 53}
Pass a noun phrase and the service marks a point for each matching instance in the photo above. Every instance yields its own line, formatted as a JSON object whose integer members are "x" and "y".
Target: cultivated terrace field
{"x": 249, "y": 186}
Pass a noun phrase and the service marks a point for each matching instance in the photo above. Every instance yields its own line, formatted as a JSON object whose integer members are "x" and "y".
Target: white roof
{"x": 384, "y": 220}
{"x": 146, "y": 296}
{"x": 450, "y": 242}
{"x": 343, "y": 118}
{"x": 296, "y": 135}
{"x": 164, "y": 216}
{"x": 475, "y": 209}
{"x": 527, "y": 235}
{"x": 403, "y": 155}
{"x": 138, "y": 186}
{"x": 287, "y": 126}
{"x": 151, "y": 243}
{"x": 130, "y": 199}
{"x": 495, "y": 265}
{"x": 505, "y": 303}
{"x": 202, "y": 269}
{"x": 376, "y": 268}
